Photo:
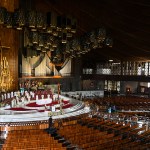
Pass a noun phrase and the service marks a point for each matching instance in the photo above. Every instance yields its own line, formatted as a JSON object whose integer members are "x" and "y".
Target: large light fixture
{"x": 50, "y": 32}
{"x": 2, "y": 15}
{"x": 8, "y": 20}
{"x": 19, "y": 19}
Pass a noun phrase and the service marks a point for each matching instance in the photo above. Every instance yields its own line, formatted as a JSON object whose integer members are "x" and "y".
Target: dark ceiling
{"x": 126, "y": 21}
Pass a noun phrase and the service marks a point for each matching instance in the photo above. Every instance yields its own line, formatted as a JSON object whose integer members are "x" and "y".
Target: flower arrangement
{"x": 28, "y": 84}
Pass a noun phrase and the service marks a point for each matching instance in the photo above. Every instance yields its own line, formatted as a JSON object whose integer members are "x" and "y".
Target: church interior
{"x": 74, "y": 75}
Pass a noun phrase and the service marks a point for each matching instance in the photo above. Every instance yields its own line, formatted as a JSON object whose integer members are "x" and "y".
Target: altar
{"x": 43, "y": 101}
{"x": 38, "y": 105}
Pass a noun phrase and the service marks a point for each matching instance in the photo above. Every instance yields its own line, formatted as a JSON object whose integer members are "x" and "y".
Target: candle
{"x": 3, "y": 62}
{"x": 37, "y": 97}
{"x": 7, "y": 63}
{"x": 58, "y": 90}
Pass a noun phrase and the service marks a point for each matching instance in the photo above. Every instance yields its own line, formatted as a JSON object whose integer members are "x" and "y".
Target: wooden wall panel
{"x": 10, "y": 38}
{"x": 10, "y": 5}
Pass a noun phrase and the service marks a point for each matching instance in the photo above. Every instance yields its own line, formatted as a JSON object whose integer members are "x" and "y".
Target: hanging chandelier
{"x": 54, "y": 34}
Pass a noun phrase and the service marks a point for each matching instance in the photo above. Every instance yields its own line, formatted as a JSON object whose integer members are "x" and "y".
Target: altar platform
{"x": 34, "y": 111}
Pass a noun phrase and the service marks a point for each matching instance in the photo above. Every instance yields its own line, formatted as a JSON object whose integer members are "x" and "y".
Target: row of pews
{"x": 32, "y": 139}
{"x": 123, "y": 102}
{"x": 81, "y": 132}
{"x": 28, "y": 125}
{"x": 129, "y": 105}
{"x": 99, "y": 134}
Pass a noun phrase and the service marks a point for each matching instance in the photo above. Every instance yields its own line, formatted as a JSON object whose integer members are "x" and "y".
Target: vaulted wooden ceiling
{"x": 126, "y": 21}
